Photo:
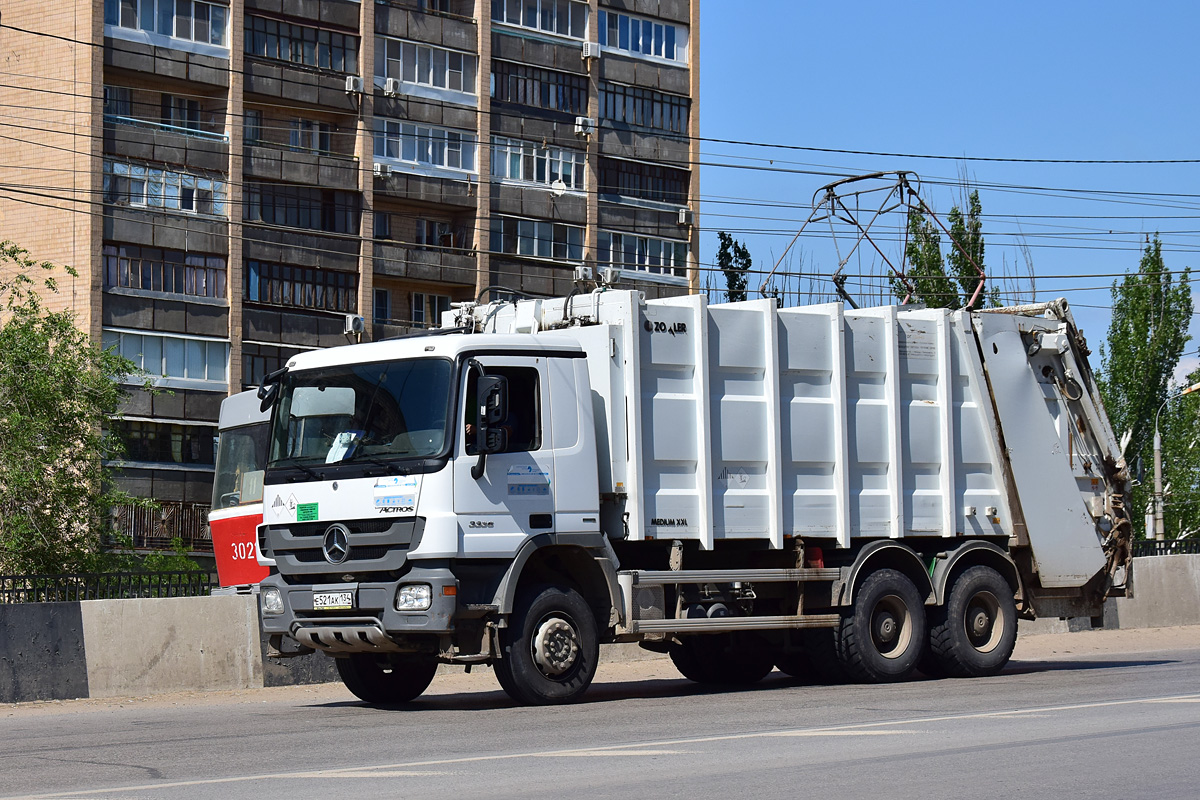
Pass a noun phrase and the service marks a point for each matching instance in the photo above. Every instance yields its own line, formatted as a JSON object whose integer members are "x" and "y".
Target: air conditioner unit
{"x": 354, "y": 324}
{"x": 585, "y": 126}
{"x": 591, "y": 50}
{"x": 391, "y": 87}
{"x": 354, "y": 83}
{"x": 685, "y": 217}
{"x": 383, "y": 170}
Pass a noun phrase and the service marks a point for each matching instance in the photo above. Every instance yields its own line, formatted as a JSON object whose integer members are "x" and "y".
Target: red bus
{"x": 237, "y": 491}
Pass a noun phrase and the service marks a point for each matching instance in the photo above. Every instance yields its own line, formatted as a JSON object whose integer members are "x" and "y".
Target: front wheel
{"x": 386, "y": 680}
{"x": 550, "y": 647}
{"x": 975, "y": 634}
{"x": 883, "y": 638}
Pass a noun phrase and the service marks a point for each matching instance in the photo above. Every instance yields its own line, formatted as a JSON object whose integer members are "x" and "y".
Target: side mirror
{"x": 491, "y": 394}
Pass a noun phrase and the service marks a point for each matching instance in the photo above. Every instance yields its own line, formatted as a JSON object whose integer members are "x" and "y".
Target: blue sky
{"x": 1051, "y": 80}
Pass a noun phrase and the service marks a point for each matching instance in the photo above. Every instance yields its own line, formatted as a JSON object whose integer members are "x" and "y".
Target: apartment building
{"x": 236, "y": 181}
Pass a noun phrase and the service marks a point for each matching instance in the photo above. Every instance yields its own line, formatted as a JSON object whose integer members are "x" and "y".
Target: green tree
{"x": 734, "y": 261}
{"x": 1179, "y": 426}
{"x": 57, "y": 389}
{"x": 1146, "y": 337}
{"x": 949, "y": 281}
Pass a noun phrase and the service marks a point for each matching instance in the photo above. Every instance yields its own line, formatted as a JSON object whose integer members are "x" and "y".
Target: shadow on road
{"x": 665, "y": 688}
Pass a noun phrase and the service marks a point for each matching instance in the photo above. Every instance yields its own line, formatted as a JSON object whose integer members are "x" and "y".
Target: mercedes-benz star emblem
{"x": 337, "y": 543}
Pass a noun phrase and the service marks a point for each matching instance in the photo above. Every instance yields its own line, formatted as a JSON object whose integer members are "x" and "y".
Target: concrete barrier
{"x": 42, "y": 653}
{"x": 106, "y": 648}
{"x": 150, "y": 646}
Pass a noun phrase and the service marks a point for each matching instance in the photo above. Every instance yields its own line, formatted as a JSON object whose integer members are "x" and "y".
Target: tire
{"x": 723, "y": 659}
{"x": 386, "y": 681}
{"x": 883, "y": 639}
{"x": 550, "y": 647}
{"x": 975, "y": 633}
{"x": 818, "y": 661}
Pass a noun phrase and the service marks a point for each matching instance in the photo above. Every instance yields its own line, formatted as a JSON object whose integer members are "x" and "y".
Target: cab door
{"x": 514, "y": 498}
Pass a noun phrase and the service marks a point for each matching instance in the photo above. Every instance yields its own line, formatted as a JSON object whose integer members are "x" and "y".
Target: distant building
{"x": 233, "y": 179}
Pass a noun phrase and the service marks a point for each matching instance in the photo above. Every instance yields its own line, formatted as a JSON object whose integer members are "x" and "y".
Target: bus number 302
{"x": 243, "y": 550}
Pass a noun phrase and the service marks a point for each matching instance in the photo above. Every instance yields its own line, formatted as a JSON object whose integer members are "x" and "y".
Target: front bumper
{"x": 373, "y": 624}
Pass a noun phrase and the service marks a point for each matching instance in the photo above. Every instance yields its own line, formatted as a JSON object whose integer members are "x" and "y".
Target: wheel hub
{"x": 555, "y": 646}
{"x": 891, "y": 626}
{"x": 984, "y": 621}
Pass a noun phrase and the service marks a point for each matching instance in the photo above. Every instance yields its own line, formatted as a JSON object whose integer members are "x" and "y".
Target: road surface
{"x": 1098, "y": 714}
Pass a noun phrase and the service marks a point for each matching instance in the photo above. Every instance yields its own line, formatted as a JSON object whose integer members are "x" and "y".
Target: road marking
{"x": 602, "y": 752}
{"x": 838, "y": 733}
{"x": 372, "y": 772}
{"x": 382, "y": 770}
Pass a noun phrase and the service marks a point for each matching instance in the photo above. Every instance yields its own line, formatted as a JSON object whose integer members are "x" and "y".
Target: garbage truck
{"x": 842, "y": 494}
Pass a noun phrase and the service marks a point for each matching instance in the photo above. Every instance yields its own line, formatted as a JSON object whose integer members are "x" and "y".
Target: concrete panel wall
{"x": 41, "y": 652}
{"x": 1166, "y": 591}
{"x": 140, "y": 647}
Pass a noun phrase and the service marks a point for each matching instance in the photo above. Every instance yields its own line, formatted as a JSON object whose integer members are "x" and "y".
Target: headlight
{"x": 414, "y": 597}
{"x": 272, "y": 600}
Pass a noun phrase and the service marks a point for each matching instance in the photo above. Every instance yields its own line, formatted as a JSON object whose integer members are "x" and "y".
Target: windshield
{"x": 241, "y": 455}
{"x": 362, "y": 412}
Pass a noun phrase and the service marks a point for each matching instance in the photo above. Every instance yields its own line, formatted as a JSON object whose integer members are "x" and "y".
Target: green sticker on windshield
{"x": 306, "y": 512}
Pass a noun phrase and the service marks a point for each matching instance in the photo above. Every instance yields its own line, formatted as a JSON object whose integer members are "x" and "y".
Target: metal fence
{"x": 103, "y": 586}
{"x": 1176, "y": 547}
{"x": 155, "y": 528}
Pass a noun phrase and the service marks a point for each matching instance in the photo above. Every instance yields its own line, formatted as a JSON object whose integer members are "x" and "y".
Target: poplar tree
{"x": 1146, "y": 338}
{"x": 734, "y": 261}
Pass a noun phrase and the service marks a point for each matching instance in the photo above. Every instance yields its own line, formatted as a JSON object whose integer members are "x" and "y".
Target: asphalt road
{"x": 1089, "y": 723}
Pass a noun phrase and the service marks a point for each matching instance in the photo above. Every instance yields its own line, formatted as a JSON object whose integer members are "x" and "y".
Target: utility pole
{"x": 1159, "y": 529}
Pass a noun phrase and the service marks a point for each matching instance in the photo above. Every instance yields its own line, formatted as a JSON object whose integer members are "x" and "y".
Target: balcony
{"x": 298, "y": 84}
{"x": 166, "y": 62}
{"x": 449, "y": 266}
{"x": 146, "y": 140}
{"x": 283, "y": 163}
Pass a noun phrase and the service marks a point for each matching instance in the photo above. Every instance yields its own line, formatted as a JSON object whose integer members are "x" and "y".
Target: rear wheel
{"x": 883, "y": 638}
{"x": 975, "y": 633}
{"x": 385, "y": 680}
{"x": 550, "y": 647}
{"x": 723, "y": 659}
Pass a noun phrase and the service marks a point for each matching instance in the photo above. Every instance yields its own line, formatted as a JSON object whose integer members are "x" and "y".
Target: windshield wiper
{"x": 386, "y": 466}
{"x": 312, "y": 473}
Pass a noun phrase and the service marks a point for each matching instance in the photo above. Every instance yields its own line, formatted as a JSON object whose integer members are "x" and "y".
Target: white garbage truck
{"x": 842, "y": 494}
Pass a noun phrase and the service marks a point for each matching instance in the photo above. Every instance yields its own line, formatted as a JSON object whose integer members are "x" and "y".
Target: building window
{"x": 518, "y": 160}
{"x": 310, "y": 136}
{"x": 301, "y": 287}
{"x": 539, "y": 88}
{"x": 383, "y": 307}
{"x": 253, "y": 130}
{"x": 564, "y": 17}
{"x": 260, "y": 360}
{"x": 315, "y": 209}
{"x": 427, "y": 309}
{"x": 647, "y": 254}
{"x": 382, "y": 227}
{"x": 537, "y": 238}
{"x": 172, "y": 356}
{"x": 165, "y": 443}
{"x": 644, "y": 107}
{"x": 181, "y": 112}
{"x": 153, "y": 187}
{"x": 129, "y": 266}
{"x": 433, "y": 234}
{"x": 424, "y": 65}
{"x": 118, "y": 101}
{"x": 643, "y": 181}
{"x": 420, "y": 144}
{"x": 301, "y": 44}
{"x": 643, "y": 37}
{"x": 191, "y": 20}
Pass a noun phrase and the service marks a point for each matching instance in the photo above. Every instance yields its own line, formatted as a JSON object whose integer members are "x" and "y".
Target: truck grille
{"x": 379, "y": 545}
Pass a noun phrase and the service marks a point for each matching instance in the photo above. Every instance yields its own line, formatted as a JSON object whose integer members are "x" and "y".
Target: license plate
{"x": 331, "y": 601}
